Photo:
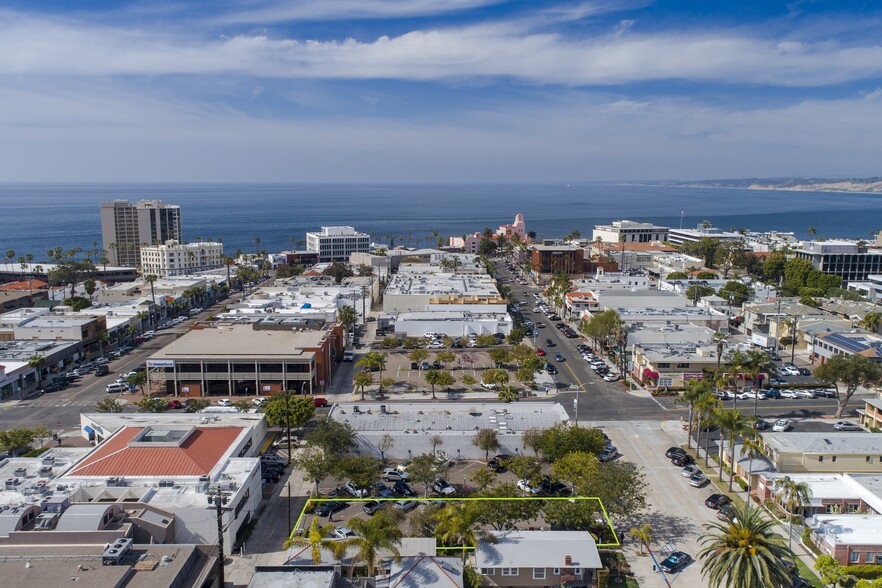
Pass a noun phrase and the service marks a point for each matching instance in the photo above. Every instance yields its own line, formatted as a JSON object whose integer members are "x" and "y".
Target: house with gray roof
{"x": 538, "y": 558}
{"x": 831, "y": 452}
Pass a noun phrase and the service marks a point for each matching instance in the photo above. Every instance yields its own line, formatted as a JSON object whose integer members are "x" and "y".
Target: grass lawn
{"x": 808, "y": 575}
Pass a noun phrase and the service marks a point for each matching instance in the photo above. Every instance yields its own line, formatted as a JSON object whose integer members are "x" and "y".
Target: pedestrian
{"x": 330, "y": 516}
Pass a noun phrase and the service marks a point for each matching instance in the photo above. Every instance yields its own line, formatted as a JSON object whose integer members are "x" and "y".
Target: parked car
{"x": 805, "y": 394}
{"x": 102, "y": 370}
{"x": 319, "y": 402}
{"x": 682, "y": 460}
{"x": 675, "y": 562}
{"x": 826, "y": 393}
{"x": 716, "y": 501}
{"x": 443, "y": 488}
{"x": 699, "y": 480}
{"x": 54, "y": 386}
{"x": 789, "y": 394}
{"x": 673, "y": 452}
{"x": 761, "y": 425}
{"x": 690, "y": 471}
{"x": 845, "y": 426}
{"x": 380, "y": 490}
{"x": 610, "y": 378}
{"x": 343, "y": 533}
{"x": 225, "y": 402}
{"x": 524, "y": 486}
{"x": 414, "y": 365}
{"x": 497, "y": 464}
{"x": 781, "y": 425}
{"x": 608, "y": 454}
{"x": 726, "y": 512}
{"x": 402, "y": 488}
{"x": 175, "y": 404}
{"x": 406, "y": 505}
{"x": 551, "y": 488}
{"x": 773, "y": 393}
{"x": 804, "y": 371}
{"x": 488, "y": 385}
{"x": 327, "y": 508}
{"x": 393, "y": 475}
{"x": 355, "y": 490}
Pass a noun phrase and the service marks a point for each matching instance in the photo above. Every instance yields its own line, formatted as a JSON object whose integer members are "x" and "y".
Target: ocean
{"x": 38, "y": 217}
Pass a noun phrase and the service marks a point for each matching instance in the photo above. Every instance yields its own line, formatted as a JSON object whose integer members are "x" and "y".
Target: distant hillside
{"x": 872, "y": 185}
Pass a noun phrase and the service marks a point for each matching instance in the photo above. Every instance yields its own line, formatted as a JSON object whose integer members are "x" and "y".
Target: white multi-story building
{"x": 125, "y": 227}
{"x": 680, "y": 236}
{"x": 633, "y": 232}
{"x": 337, "y": 243}
{"x": 178, "y": 259}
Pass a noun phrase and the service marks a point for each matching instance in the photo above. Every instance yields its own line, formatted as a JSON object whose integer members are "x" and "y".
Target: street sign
{"x": 575, "y": 402}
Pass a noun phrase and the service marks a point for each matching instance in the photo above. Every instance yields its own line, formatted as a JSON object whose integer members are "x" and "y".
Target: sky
{"x": 438, "y": 90}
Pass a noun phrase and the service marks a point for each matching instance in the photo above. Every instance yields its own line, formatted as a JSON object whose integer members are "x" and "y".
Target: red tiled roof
{"x": 195, "y": 457}
{"x": 24, "y": 285}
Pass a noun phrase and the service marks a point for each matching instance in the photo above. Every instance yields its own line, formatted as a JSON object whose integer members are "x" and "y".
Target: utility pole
{"x": 217, "y": 500}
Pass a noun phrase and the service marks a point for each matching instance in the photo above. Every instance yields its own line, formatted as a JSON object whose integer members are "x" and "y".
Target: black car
{"x": 327, "y": 508}
{"x": 549, "y": 343}
{"x": 497, "y": 464}
{"x": 437, "y": 365}
{"x": 761, "y": 425}
{"x": 550, "y": 369}
{"x": 401, "y": 488}
{"x": 550, "y": 488}
{"x": 725, "y": 512}
{"x": 673, "y": 452}
{"x": 715, "y": 501}
{"x": 372, "y": 506}
{"x": 682, "y": 460}
{"x": 414, "y": 365}
{"x": 102, "y": 370}
{"x": 54, "y": 386}
{"x": 675, "y": 562}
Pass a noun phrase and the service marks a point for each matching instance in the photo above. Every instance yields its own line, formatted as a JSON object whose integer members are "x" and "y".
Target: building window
{"x": 487, "y": 571}
{"x": 834, "y": 458}
{"x": 556, "y": 571}
{"x": 538, "y": 573}
{"x": 577, "y": 571}
{"x": 820, "y": 458}
{"x": 854, "y": 557}
{"x": 870, "y": 557}
{"x": 509, "y": 571}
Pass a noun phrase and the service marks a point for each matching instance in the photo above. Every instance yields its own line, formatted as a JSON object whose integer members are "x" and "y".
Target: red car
{"x": 540, "y": 352}
{"x": 319, "y": 402}
{"x": 175, "y": 404}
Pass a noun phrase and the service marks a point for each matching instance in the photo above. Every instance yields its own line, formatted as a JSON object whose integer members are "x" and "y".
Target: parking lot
{"x": 676, "y": 511}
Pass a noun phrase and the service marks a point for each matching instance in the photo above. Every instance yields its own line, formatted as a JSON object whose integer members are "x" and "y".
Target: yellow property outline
{"x": 546, "y": 498}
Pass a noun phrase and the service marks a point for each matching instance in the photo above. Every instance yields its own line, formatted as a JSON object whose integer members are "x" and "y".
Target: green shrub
{"x": 864, "y": 571}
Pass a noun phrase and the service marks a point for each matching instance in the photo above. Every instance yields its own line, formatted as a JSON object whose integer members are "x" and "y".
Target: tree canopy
{"x": 564, "y": 438}
{"x": 295, "y": 414}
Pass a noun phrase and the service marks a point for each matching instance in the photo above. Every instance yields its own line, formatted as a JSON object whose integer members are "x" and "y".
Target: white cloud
{"x": 99, "y": 132}
{"x": 274, "y": 12}
{"x": 32, "y": 46}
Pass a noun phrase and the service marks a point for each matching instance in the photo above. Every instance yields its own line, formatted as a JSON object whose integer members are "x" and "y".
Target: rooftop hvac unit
{"x": 116, "y": 552}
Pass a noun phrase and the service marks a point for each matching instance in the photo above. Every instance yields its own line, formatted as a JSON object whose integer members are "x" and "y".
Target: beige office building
{"x": 125, "y": 227}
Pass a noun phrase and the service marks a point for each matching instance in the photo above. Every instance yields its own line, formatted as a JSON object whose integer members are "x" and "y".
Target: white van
{"x": 117, "y": 387}
{"x": 348, "y": 354}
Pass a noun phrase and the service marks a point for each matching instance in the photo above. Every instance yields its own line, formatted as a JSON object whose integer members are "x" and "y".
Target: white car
{"x": 805, "y": 394}
{"x": 488, "y": 386}
{"x": 845, "y": 426}
{"x": 258, "y": 402}
{"x": 524, "y": 486}
{"x": 225, "y": 402}
{"x": 781, "y": 426}
{"x": 690, "y": 471}
{"x": 343, "y": 533}
{"x": 789, "y": 394}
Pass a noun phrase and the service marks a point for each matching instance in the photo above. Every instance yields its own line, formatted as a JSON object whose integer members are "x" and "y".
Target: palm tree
{"x": 751, "y": 448}
{"x": 507, "y": 393}
{"x": 10, "y": 255}
{"x": 457, "y": 525}
{"x": 346, "y": 317}
{"x": 795, "y": 496}
{"x": 228, "y": 261}
{"x": 38, "y": 362}
{"x": 643, "y": 534}
{"x": 705, "y": 406}
{"x": 812, "y": 231}
{"x": 745, "y": 553}
{"x": 732, "y": 423}
{"x": 694, "y": 391}
{"x": 871, "y": 321}
{"x": 150, "y": 278}
{"x": 315, "y": 540}
{"x": 361, "y": 380}
{"x": 380, "y": 533}
{"x": 433, "y": 378}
